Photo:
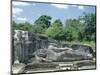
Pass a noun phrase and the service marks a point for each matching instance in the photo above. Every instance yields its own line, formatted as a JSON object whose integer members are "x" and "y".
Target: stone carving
{"x": 29, "y": 46}
{"x": 63, "y": 54}
{"x": 31, "y": 52}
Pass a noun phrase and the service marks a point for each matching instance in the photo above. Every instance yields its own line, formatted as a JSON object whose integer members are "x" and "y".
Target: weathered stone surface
{"x": 18, "y": 68}
{"x": 25, "y": 43}
{"x": 83, "y": 48}
{"x": 29, "y": 46}
{"x": 40, "y": 54}
{"x": 80, "y": 52}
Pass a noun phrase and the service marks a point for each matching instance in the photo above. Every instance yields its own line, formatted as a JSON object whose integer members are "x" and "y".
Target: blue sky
{"x": 29, "y": 11}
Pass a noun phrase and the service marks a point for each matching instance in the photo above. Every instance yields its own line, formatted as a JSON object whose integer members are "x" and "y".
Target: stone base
{"x": 18, "y": 68}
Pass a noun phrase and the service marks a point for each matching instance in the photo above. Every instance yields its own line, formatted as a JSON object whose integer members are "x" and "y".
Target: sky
{"x": 30, "y": 11}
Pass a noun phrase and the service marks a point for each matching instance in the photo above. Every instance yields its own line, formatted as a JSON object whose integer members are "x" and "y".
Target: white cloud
{"x": 60, "y": 6}
{"x": 81, "y": 7}
{"x": 16, "y": 10}
{"x": 20, "y": 3}
{"x": 21, "y": 19}
{"x": 14, "y": 16}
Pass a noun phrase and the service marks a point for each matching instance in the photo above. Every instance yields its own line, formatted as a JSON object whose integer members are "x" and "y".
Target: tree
{"x": 42, "y": 23}
{"x": 25, "y": 26}
{"x": 73, "y": 28}
{"x": 56, "y": 31}
{"x": 14, "y": 25}
{"x": 89, "y": 22}
{"x": 22, "y": 26}
{"x": 57, "y": 23}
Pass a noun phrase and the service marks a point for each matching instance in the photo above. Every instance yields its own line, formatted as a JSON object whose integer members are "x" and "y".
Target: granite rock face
{"x": 24, "y": 43}
{"x": 74, "y": 52}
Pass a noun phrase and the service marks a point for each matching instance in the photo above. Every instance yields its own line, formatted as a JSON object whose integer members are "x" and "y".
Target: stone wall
{"x": 25, "y": 43}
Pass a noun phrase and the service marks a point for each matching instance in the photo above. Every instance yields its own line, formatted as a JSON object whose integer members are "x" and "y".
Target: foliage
{"x": 56, "y": 31}
{"x": 80, "y": 29}
{"x": 73, "y": 29}
{"x": 22, "y": 26}
{"x": 14, "y": 25}
{"x": 42, "y": 23}
{"x": 25, "y": 26}
{"x": 89, "y": 22}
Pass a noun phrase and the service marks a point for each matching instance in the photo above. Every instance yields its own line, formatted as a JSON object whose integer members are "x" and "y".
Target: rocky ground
{"x": 72, "y": 57}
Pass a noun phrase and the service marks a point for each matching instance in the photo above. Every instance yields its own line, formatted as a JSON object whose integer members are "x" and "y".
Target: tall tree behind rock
{"x": 56, "y": 31}
{"x": 89, "y": 22}
{"x": 41, "y": 24}
{"x": 73, "y": 28}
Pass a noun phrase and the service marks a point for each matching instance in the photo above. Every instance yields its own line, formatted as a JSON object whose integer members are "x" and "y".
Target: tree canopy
{"x": 89, "y": 22}
{"x": 56, "y": 31}
{"x": 80, "y": 29}
{"x": 42, "y": 23}
{"x": 73, "y": 28}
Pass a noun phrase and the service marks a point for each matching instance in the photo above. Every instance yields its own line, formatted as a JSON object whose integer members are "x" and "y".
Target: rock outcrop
{"x": 74, "y": 52}
{"x": 28, "y": 47}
